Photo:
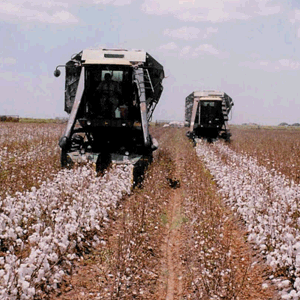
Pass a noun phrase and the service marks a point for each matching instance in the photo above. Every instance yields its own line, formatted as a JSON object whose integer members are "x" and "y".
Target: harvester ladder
{"x": 224, "y": 110}
{"x": 225, "y": 128}
{"x": 143, "y": 85}
{"x": 147, "y": 81}
{"x": 140, "y": 81}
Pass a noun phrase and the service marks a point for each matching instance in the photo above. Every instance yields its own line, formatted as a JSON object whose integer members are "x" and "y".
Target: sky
{"x": 245, "y": 48}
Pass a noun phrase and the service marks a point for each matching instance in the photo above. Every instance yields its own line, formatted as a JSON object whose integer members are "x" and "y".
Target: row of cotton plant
{"x": 29, "y": 153}
{"x": 41, "y": 231}
{"x": 21, "y": 157}
{"x": 18, "y": 133}
{"x": 269, "y": 205}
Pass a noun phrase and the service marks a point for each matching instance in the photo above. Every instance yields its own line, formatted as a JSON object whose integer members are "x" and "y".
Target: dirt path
{"x": 175, "y": 270}
{"x": 172, "y": 239}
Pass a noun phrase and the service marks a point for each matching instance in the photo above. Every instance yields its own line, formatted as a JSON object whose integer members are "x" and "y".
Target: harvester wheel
{"x": 227, "y": 137}
{"x": 140, "y": 168}
{"x": 65, "y": 160}
{"x": 103, "y": 161}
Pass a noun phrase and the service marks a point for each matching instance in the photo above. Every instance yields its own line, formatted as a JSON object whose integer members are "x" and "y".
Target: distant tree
{"x": 296, "y": 124}
{"x": 283, "y": 124}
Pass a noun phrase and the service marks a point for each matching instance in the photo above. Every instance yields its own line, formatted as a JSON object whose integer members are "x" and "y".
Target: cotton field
{"x": 67, "y": 233}
{"x": 52, "y": 223}
{"x": 268, "y": 203}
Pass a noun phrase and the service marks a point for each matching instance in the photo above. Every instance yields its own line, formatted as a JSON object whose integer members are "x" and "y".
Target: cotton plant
{"x": 29, "y": 153}
{"x": 268, "y": 203}
{"x": 51, "y": 224}
{"x": 18, "y": 133}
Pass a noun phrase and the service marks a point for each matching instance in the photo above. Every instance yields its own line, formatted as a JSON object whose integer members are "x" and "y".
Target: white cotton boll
{"x": 297, "y": 246}
{"x": 40, "y": 276}
{"x": 31, "y": 292}
{"x": 2, "y": 273}
{"x": 284, "y": 284}
{"x": 289, "y": 237}
{"x": 285, "y": 296}
{"x": 289, "y": 260}
{"x": 8, "y": 267}
{"x": 263, "y": 247}
{"x": 63, "y": 247}
{"x": 46, "y": 265}
{"x": 19, "y": 243}
{"x": 11, "y": 234}
{"x": 53, "y": 257}
{"x": 71, "y": 256}
{"x": 297, "y": 262}
{"x": 297, "y": 284}
{"x": 293, "y": 294}
{"x": 25, "y": 285}
{"x": 19, "y": 230}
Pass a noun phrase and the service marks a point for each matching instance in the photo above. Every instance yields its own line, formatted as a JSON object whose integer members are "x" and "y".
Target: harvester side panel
{"x": 189, "y": 103}
{"x": 139, "y": 74}
{"x": 156, "y": 73}
{"x": 153, "y": 85}
{"x": 73, "y": 71}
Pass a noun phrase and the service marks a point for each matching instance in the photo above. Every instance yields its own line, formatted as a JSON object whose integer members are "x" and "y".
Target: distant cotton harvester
{"x": 206, "y": 114}
{"x": 110, "y": 96}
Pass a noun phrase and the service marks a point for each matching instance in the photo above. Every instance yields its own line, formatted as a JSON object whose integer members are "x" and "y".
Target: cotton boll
{"x": 30, "y": 292}
{"x": 11, "y": 234}
{"x": 297, "y": 284}
{"x": 53, "y": 257}
{"x": 293, "y": 295}
{"x": 25, "y": 285}
{"x": 2, "y": 273}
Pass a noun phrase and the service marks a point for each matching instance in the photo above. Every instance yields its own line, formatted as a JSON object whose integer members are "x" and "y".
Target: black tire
{"x": 65, "y": 160}
{"x": 103, "y": 162}
{"x": 140, "y": 168}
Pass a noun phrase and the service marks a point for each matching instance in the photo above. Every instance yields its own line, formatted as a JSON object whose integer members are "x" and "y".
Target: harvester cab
{"x": 206, "y": 114}
{"x": 110, "y": 96}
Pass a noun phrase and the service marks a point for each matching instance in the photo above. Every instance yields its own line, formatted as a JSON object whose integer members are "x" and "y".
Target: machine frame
{"x": 96, "y": 133}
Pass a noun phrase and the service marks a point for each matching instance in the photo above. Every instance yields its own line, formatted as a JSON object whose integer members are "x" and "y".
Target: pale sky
{"x": 246, "y": 48}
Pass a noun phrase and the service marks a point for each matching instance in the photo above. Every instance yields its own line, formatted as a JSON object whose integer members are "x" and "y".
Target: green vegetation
{"x": 33, "y": 120}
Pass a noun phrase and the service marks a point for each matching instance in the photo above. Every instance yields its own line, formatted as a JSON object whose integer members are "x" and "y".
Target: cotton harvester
{"x": 206, "y": 113}
{"x": 110, "y": 96}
